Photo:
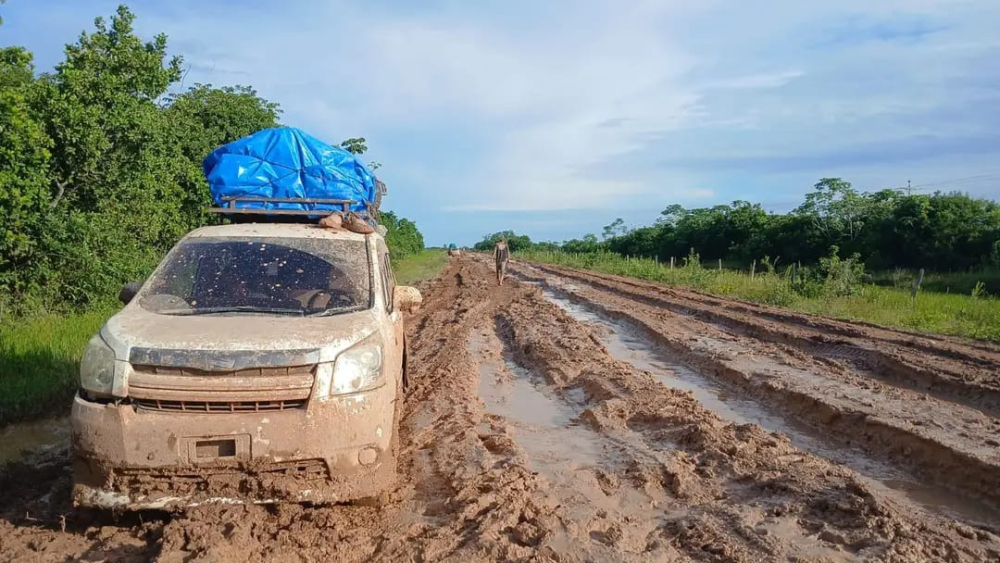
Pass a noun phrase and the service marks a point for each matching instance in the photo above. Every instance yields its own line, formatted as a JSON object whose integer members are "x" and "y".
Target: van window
{"x": 388, "y": 279}
{"x": 276, "y": 276}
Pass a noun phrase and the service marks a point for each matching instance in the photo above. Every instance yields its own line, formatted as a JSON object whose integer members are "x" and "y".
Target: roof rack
{"x": 231, "y": 208}
{"x": 255, "y": 215}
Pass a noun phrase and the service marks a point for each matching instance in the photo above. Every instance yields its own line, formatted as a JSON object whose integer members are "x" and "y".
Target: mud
{"x": 531, "y": 435}
{"x": 834, "y": 388}
{"x": 629, "y": 343}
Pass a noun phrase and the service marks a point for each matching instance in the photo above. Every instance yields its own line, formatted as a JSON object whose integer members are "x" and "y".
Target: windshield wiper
{"x": 339, "y": 311}
{"x": 236, "y": 309}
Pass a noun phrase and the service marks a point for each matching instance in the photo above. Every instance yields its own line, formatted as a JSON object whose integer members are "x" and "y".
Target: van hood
{"x": 233, "y": 341}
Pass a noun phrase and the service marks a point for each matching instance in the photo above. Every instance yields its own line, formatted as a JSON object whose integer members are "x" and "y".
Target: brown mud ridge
{"x": 527, "y": 438}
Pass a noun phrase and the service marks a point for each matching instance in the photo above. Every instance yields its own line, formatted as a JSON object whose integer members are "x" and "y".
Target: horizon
{"x": 562, "y": 120}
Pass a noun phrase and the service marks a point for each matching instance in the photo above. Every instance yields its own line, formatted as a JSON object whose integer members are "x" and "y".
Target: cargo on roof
{"x": 287, "y": 170}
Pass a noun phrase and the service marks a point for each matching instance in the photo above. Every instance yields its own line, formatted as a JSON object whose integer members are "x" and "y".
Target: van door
{"x": 394, "y": 316}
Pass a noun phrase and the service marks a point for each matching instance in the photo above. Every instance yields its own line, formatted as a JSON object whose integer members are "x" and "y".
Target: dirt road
{"x": 569, "y": 416}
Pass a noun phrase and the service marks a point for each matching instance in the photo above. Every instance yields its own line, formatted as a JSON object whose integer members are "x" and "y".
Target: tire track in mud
{"x": 947, "y": 442}
{"x": 600, "y": 517}
{"x": 633, "y": 344}
{"x": 737, "y": 493}
{"x": 946, "y": 368}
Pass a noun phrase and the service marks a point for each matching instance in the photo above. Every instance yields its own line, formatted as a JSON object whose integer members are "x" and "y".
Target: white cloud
{"x": 755, "y": 81}
{"x": 565, "y": 105}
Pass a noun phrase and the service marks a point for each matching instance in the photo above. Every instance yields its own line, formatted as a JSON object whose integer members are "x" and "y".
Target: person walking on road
{"x": 501, "y": 255}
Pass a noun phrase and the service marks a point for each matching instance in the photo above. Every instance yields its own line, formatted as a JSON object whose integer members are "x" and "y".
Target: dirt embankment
{"x": 525, "y": 439}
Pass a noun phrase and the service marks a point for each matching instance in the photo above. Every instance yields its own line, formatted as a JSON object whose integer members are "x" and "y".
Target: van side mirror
{"x": 407, "y": 299}
{"x": 127, "y": 294}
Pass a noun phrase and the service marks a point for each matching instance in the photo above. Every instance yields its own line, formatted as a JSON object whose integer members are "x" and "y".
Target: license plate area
{"x": 214, "y": 449}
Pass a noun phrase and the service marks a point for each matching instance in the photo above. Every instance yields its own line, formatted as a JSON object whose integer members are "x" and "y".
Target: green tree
{"x": 24, "y": 166}
{"x": 617, "y": 228}
{"x": 116, "y": 169}
{"x": 402, "y": 236}
{"x": 587, "y": 244}
{"x": 355, "y": 145}
{"x": 515, "y": 242}
{"x": 16, "y": 67}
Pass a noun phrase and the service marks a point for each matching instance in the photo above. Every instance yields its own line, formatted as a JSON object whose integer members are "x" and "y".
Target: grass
{"x": 39, "y": 356}
{"x": 421, "y": 266}
{"x": 944, "y": 282}
{"x": 942, "y": 313}
{"x": 39, "y": 359}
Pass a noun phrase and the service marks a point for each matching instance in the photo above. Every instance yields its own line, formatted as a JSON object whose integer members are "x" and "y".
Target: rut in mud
{"x": 857, "y": 388}
{"x": 611, "y": 420}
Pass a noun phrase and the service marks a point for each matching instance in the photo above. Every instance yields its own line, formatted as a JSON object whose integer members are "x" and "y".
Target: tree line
{"x": 885, "y": 229}
{"x": 100, "y": 164}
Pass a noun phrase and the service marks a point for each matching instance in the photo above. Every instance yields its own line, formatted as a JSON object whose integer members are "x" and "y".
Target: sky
{"x": 554, "y": 118}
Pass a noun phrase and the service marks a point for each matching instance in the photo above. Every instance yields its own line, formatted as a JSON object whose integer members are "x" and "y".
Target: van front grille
{"x": 248, "y": 390}
{"x": 218, "y": 406}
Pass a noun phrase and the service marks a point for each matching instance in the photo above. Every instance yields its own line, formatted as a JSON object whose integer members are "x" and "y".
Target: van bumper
{"x": 331, "y": 451}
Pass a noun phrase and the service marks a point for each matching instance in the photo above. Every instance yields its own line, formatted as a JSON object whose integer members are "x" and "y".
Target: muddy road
{"x": 569, "y": 416}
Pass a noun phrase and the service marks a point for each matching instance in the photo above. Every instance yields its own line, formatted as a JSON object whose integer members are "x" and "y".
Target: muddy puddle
{"x": 18, "y": 439}
{"x": 544, "y": 425}
{"x": 569, "y": 455}
{"x": 627, "y": 343}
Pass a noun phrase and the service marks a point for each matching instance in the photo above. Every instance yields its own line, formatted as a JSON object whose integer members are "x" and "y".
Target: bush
{"x": 841, "y": 277}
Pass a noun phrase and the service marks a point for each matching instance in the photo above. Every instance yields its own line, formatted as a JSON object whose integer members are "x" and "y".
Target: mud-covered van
{"x": 260, "y": 362}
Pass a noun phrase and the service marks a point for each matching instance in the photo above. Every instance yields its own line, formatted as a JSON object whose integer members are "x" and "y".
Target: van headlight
{"x": 97, "y": 368}
{"x": 357, "y": 369}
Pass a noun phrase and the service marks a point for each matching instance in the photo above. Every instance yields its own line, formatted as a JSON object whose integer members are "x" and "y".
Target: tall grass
{"x": 40, "y": 355}
{"x": 39, "y": 359}
{"x": 954, "y": 314}
{"x": 987, "y": 279}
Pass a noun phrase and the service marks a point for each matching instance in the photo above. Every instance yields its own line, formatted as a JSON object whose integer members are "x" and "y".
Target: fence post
{"x": 753, "y": 269}
{"x": 720, "y": 264}
{"x": 671, "y": 262}
{"x": 916, "y": 286}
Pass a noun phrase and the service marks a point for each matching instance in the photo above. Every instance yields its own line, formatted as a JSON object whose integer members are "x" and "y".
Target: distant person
{"x": 501, "y": 255}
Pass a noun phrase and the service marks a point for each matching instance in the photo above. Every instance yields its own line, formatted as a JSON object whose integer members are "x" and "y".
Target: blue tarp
{"x": 286, "y": 162}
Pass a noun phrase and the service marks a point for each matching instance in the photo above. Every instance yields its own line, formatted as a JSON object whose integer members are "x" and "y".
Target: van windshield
{"x": 276, "y": 276}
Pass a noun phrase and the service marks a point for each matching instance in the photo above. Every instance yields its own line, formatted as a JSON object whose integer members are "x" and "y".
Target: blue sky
{"x": 553, "y": 118}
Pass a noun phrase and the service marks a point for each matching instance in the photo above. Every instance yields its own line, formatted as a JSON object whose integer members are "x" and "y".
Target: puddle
{"x": 624, "y": 342}
{"x": 544, "y": 425}
{"x": 17, "y": 439}
{"x": 567, "y": 454}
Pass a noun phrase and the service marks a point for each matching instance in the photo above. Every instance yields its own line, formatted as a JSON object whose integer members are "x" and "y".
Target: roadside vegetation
{"x": 835, "y": 287}
{"x": 841, "y": 253}
{"x": 39, "y": 359}
{"x": 953, "y": 237}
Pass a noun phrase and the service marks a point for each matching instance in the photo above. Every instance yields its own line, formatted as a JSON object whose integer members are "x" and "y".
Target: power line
{"x": 960, "y": 181}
